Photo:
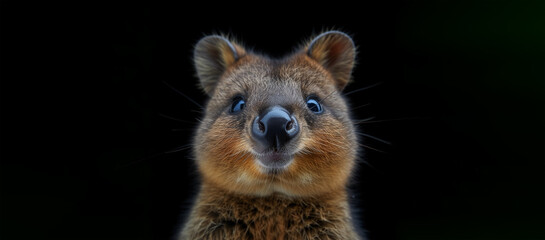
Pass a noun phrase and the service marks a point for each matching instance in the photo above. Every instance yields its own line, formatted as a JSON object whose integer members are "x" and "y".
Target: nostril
{"x": 289, "y": 125}
{"x": 258, "y": 128}
{"x": 261, "y": 126}
{"x": 292, "y": 127}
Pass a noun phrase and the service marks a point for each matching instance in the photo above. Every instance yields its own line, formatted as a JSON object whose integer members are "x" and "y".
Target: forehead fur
{"x": 261, "y": 74}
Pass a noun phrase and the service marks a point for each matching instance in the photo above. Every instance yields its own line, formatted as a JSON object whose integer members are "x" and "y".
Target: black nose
{"x": 274, "y": 128}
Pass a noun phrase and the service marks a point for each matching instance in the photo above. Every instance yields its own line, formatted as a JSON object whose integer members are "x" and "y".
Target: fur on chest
{"x": 223, "y": 216}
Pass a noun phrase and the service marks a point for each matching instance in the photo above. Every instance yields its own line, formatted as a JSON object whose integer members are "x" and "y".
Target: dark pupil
{"x": 238, "y": 105}
{"x": 313, "y": 105}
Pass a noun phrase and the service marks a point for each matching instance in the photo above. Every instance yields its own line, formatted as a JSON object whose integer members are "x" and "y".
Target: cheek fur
{"x": 322, "y": 163}
{"x": 325, "y": 162}
{"x": 224, "y": 159}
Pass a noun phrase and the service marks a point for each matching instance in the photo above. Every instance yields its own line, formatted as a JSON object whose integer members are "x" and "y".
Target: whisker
{"x": 363, "y": 88}
{"x": 375, "y": 138}
{"x": 358, "y": 121}
{"x": 180, "y": 148}
{"x": 393, "y": 119}
{"x": 181, "y": 93}
{"x": 372, "y": 148}
{"x": 199, "y": 120}
{"x": 245, "y": 157}
{"x": 369, "y": 165}
{"x": 358, "y": 107}
{"x": 197, "y": 111}
{"x": 173, "y": 118}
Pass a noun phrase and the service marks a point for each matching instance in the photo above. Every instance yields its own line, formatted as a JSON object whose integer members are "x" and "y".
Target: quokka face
{"x": 276, "y": 125}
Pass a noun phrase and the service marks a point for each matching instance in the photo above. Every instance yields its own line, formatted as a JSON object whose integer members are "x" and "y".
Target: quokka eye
{"x": 238, "y": 104}
{"x": 314, "y": 105}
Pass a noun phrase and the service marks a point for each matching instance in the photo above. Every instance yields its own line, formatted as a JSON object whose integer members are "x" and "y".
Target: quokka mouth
{"x": 274, "y": 161}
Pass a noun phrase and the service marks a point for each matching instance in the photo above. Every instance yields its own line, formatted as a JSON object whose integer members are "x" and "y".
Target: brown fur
{"x": 307, "y": 200}
{"x": 223, "y": 215}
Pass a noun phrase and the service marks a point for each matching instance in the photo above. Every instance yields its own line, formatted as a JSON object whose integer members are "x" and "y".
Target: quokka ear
{"x": 336, "y": 52}
{"x": 212, "y": 56}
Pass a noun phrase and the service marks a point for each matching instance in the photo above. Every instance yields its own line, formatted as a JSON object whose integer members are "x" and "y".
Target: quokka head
{"x": 276, "y": 125}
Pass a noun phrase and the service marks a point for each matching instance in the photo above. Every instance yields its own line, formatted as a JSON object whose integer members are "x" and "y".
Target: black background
{"x": 87, "y": 121}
